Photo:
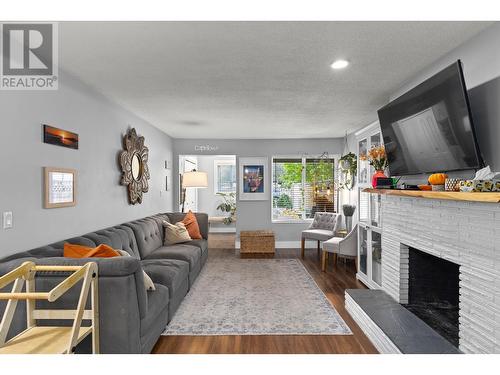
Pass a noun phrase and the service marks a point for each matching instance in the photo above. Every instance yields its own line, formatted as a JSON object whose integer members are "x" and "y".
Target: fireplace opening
{"x": 433, "y": 293}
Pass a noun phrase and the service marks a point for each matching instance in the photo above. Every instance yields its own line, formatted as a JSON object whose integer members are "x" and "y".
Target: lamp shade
{"x": 195, "y": 179}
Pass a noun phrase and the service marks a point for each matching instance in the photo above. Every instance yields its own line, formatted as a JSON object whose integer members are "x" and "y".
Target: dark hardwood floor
{"x": 333, "y": 283}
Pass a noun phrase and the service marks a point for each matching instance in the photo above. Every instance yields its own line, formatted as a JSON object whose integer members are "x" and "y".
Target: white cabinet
{"x": 369, "y": 218}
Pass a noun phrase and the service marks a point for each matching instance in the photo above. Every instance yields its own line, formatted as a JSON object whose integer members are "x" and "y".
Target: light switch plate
{"x": 7, "y": 220}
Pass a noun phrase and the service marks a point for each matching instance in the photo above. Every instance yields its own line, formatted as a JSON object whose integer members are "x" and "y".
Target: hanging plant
{"x": 348, "y": 167}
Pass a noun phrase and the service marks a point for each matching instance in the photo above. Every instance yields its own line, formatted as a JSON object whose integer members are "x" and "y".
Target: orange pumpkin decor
{"x": 425, "y": 187}
{"x": 437, "y": 178}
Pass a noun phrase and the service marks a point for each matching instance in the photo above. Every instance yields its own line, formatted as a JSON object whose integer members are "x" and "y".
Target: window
{"x": 302, "y": 187}
{"x": 225, "y": 176}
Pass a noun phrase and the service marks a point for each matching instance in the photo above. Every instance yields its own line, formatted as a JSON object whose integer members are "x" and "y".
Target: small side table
{"x": 342, "y": 233}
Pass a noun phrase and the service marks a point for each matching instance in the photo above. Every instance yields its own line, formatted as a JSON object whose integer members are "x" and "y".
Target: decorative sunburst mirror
{"x": 134, "y": 165}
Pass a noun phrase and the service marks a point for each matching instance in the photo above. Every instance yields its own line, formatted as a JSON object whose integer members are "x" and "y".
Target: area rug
{"x": 234, "y": 296}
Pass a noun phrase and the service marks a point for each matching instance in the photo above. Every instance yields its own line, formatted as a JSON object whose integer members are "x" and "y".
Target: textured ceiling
{"x": 254, "y": 79}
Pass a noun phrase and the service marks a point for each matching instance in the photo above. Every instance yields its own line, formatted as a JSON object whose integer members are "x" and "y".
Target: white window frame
{"x": 218, "y": 162}
{"x": 335, "y": 158}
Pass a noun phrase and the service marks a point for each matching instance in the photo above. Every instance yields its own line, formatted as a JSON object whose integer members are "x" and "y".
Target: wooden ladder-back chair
{"x": 45, "y": 339}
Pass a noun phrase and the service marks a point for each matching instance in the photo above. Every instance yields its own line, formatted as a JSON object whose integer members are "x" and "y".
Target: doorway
{"x": 188, "y": 163}
{"x": 218, "y": 200}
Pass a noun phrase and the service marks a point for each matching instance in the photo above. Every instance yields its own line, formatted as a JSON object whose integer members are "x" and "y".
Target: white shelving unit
{"x": 369, "y": 219}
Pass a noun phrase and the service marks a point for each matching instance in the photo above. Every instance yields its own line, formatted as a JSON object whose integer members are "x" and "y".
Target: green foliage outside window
{"x": 316, "y": 172}
{"x": 283, "y": 201}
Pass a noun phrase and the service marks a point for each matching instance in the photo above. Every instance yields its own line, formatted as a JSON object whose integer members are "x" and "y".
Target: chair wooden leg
{"x": 319, "y": 250}
{"x": 302, "y": 248}
{"x": 335, "y": 258}
{"x": 356, "y": 264}
{"x": 323, "y": 261}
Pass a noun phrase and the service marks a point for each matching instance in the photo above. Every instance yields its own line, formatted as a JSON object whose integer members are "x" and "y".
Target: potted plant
{"x": 348, "y": 166}
{"x": 228, "y": 206}
{"x": 378, "y": 159}
{"x": 348, "y": 210}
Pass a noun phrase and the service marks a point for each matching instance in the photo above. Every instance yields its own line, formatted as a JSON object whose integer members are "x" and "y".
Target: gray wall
{"x": 257, "y": 214}
{"x": 101, "y": 201}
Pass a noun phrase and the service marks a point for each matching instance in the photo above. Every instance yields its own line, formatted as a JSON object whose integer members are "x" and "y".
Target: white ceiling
{"x": 254, "y": 79}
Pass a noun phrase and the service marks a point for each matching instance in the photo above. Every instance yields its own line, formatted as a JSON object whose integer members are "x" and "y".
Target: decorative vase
{"x": 376, "y": 176}
{"x": 348, "y": 223}
{"x": 452, "y": 184}
{"x": 345, "y": 165}
{"x": 348, "y": 210}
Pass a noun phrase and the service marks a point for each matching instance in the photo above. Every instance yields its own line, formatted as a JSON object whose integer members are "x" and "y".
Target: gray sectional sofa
{"x": 131, "y": 318}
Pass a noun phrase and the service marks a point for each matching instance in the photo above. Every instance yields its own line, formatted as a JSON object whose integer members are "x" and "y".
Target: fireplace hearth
{"x": 465, "y": 235}
{"x": 433, "y": 293}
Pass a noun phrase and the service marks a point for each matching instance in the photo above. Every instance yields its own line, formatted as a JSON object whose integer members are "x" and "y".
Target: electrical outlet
{"x": 7, "y": 220}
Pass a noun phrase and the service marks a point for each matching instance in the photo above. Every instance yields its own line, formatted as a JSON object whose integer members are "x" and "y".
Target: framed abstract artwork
{"x": 60, "y": 187}
{"x": 253, "y": 179}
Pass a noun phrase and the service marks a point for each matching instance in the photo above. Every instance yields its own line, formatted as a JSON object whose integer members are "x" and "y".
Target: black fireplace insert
{"x": 433, "y": 293}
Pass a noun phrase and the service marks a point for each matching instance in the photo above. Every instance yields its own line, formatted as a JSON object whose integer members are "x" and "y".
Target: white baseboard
{"x": 282, "y": 244}
{"x": 222, "y": 230}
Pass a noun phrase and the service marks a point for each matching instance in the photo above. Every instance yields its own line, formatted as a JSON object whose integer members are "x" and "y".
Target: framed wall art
{"x": 60, "y": 137}
{"x": 253, "y": 179}
{"x": 60, "y": 187}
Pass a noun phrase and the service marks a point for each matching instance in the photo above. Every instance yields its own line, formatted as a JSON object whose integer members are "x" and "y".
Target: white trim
{"x": 378, "y": 338}
{"x": 292, "y": 221}
{"x": 222, "y": 230}
{"x": 367, "y": 129}
{"x": 366, "y": 280}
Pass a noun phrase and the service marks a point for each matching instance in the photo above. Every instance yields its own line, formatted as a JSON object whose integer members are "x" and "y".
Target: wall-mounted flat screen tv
{"x": 429, "y": 128}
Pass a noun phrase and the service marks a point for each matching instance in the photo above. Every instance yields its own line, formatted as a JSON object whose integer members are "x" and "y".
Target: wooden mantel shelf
{"x": 493, "y": 197}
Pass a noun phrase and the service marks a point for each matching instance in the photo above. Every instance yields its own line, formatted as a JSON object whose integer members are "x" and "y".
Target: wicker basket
{"x": 257, "y": 242}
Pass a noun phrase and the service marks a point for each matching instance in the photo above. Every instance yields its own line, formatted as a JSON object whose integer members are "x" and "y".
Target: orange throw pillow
{"x": 192, "y": 226}
{"x": 79, "y": 251}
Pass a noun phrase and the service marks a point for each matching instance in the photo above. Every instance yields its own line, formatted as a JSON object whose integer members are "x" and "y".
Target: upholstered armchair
{"x": 323, "y": 227}
{"x": 346, "y": 247}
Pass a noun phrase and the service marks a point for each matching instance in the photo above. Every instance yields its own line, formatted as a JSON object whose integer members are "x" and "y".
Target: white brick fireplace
{"x": 465, "y": 233}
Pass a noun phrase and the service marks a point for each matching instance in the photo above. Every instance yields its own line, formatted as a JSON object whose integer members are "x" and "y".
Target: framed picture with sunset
{"x": 60, "y": 137}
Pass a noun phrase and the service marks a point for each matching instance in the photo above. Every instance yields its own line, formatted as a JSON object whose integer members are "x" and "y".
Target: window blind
{"x": 302, "y": 187}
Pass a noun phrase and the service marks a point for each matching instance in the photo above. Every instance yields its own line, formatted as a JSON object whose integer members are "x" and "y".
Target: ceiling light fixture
{"x": 339, "y": 64}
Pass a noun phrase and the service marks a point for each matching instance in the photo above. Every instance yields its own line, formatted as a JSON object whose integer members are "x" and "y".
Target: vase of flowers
{"x": 378, "y": 160}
